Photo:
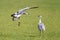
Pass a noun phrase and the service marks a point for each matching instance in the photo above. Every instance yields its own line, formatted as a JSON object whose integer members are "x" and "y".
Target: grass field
{"x": 28, "y": 30}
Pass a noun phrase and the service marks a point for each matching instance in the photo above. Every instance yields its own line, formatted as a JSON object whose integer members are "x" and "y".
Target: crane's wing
{"x": 21, "y": 11}
{"x": 43, "y": 27}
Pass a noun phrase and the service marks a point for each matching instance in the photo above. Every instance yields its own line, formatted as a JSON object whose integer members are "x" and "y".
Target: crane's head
{"x": 40, "y": 16}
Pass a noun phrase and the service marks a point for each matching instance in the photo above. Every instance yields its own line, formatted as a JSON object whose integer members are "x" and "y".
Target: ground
{"x": 28, "y": 29}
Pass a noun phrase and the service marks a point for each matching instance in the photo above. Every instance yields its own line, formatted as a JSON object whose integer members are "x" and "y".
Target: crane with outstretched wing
{"x": 17, "y": 15}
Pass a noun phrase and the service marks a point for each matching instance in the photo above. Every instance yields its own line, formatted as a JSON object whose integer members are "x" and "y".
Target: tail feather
{"x": 33, "y": 7}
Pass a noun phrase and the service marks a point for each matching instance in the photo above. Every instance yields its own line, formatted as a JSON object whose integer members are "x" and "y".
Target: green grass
{"x": 28, "y": 30}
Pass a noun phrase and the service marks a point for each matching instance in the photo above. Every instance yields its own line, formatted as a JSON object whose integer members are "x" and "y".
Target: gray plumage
{"x": 41, "y": 26}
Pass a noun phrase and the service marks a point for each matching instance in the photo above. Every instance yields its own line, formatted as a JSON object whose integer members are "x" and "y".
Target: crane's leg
{"x": 40, "y": 32}
{"x": 13, "y": 18}
{"x": 18, "y": 23}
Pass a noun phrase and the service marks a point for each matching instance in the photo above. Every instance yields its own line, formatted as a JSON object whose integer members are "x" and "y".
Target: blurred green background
{"x": 28, "y": 29}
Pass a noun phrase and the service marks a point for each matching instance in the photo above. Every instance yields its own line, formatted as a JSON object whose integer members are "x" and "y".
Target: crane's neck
{"x": 40, "y": 19}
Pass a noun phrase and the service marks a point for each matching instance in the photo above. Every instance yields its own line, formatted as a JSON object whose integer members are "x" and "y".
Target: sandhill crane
{"x": 17, "y": 15}
{"x": 41, "y": 25}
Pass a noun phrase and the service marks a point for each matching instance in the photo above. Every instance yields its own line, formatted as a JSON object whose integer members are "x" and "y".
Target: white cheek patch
{"x": 17, "y": 16}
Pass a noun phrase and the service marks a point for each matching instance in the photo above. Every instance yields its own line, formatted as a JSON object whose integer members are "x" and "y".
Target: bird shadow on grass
{"x": 35, "y": 35}
{"x": 31, "y": 35}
